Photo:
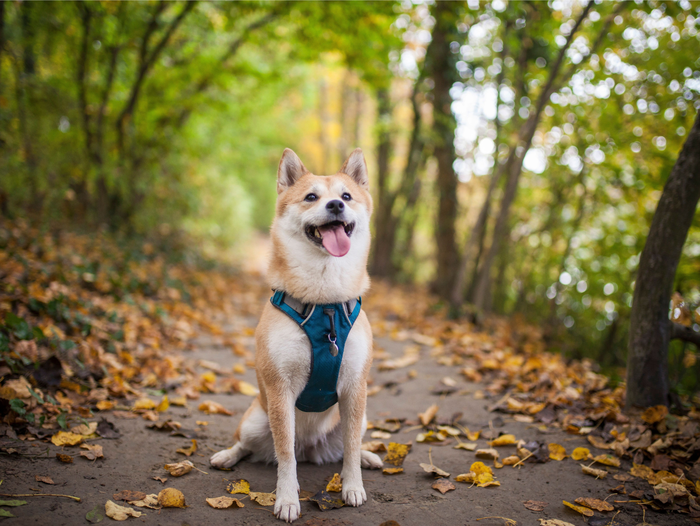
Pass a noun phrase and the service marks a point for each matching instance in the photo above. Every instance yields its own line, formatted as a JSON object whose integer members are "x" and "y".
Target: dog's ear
{"x": 356, "y": 167}
{"x": 290, "y": 169}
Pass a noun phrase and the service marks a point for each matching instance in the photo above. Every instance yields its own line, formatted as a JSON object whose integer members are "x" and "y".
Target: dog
{"x": 318, "y": 270}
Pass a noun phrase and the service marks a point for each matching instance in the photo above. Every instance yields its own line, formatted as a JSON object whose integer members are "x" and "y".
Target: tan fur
{"x": 307, "y": 272}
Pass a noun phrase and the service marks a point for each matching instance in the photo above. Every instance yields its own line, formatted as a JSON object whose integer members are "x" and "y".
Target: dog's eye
{"x": 310, "y": 197}
{"x": 347, "y": 197}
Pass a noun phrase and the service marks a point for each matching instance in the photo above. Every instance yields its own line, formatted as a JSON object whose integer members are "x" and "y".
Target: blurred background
{"x": 517, "y": 150}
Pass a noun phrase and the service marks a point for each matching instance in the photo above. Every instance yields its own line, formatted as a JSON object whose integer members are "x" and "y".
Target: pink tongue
{"x": 335, "y": 240}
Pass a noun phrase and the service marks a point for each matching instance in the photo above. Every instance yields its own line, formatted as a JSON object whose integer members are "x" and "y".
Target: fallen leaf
{"x": 163, "y": 405}
{"x": 171, "y": 498}
{"x": 472, "y": 436}
{"x": 44, "y": 479}
{"x": 553, "y": 522}
{"x": 396, "y": 453}
{"x": 599, "y": 443}
{"x": 375, "y": 446}
{"x": 209, "y": 407}
{"x": 335, "y": 485}
{"x": 5, "y": 513}
{"x": 188, "y": 451}
{"x": 487, "y": 453}
{"x": 392, "y": 471}
{"x": 180, "y": 401}
{"x": 326, "y": 502}
{"x": 94, "y": 451}
{"x": 427, "y": 416}
{"x": 655, "y": 414}
{"x": 557, "y": 452}
{"x": 535, "y": 505}
{"x": 247, "y": 389}
{"x": 264, "y": 499}
{"x": 511, "y": 460}
{"x": 106, "y": 429}
{"x": 149, "y": 501}
{"x": 580, "y": 453}
{"x": 431, "y": 436}
{"x": 607, "y": 460}
{"x": 380, "y": 434}
{"x": 503, "y": 440}
{"x": 222, "y": 503}
{"x": 479, "y": 474}
{"x": 623, "y": 477}
{"x": 105, "y": 405}
{"x": 66, "y": 438}
{"x": 143, "y": 404}
{"x": 443, "y": 485}
{"x": 238, "y": 486}
{"x": 583, "y": 511}
{"x": 162, "y": 480}
{"x": 642, "y": 471}
{"x": 595, "y": 504}
{"x": 119, "y": 513}
{"x": 597, "y": 473}
{"x": 168, "y": 425}
{"x": 84, "y": 429}
{"x": 66, "y": 459}
{"x": 94, "y": 516}
{"x": 430, "y": 468}
{"x": 469, "y": 446}
{"x": 127, "y": 495}
{"x": 12, "y": 503}
{"x": 180, "y": 468}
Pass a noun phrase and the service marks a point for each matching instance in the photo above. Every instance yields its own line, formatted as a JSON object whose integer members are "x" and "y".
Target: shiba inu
{"x": 313, "y": 341}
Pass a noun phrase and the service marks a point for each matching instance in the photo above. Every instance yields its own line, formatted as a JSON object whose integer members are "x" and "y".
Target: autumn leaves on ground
{"x": 104, "y": 342}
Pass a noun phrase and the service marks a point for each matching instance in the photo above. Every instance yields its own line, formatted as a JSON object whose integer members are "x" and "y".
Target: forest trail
{"x": 412, "y": 371}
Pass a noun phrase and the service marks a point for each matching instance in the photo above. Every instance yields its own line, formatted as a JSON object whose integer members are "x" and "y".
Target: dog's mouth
{"x": 333, "y": 236}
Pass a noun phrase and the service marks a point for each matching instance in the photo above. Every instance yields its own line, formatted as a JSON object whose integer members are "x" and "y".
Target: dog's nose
{"x": 335, "y": 207}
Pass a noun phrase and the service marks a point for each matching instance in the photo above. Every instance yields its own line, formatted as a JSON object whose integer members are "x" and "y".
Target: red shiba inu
{"x": 318, "y": 268}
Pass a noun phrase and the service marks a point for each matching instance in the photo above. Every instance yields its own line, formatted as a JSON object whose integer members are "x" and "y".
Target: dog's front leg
{"x": 352, "y": 412}
{"x": 281, "y": 414}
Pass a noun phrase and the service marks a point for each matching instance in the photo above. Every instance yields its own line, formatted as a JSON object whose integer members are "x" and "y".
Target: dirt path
{"x": 133, "y": 460}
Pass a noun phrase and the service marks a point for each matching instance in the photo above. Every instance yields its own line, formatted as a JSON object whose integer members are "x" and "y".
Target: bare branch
{"x": 686, "y": 334}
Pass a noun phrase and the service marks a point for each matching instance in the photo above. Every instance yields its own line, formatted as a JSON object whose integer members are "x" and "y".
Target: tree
{"x": 650, "y": 329}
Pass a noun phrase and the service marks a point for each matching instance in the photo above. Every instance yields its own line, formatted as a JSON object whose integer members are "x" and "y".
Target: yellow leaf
{"x": 469, "y": 446}
{"x": 190, "y": 450}
{"x": 557, "y": 452}
{"x": 222, "y": 503}
{"x": 580, "y": 453}
{"x": 180, "y": 468}
{"x": 105, "y": 405}
{"x": 436, "y": 471}
{"x": 472, "y": 436}
{"x": 642, "y": 471}
{"x": 247, "y": 389}
{"x": 179, "y": 401}
{"x": 511, "y": 460}
{"x": 210, "y": 407}
{"x": 597, "y": 473}
{"x": 143, "y": 404}
{"x": 239, "y": 368}
{"x": 607, "y": 460}
{"x": 487, "y": 453}
{"x": 655, "y": 414}
{"x": 583, "y": 511}
{"x": 427, "y": 416}
{"x": 335, "y": 484}
{"x": 469, "y": 478}
{"x": 65, "y": 438}
{"x": 595, "y": 504}
{"x": 264, "y": 499}
{"x": 119, "y": 513}
{"x": 392, "y": 471}
{"x": 171, "y": 498}
{"x": 163, "y": 405}
{"x": 480, "y": 468}
{"x": 239, "y": 486}
{"x": 397, "y": 453}
{"x": 662, "y": 476}
{"x": 503, "y": 440}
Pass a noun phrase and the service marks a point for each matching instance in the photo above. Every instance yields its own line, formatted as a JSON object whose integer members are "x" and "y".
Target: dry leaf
{"x": 595, "y": 504}
{"x": 335, "y": 485}
{"x": 65, "y": 438}
{"x": 171, "y": 498}
{"x": 655, "y": 414}
{"x": 149, "y": 501}
{"x": 45, "y": 480}
{"x": 583, "y": 511}
{"x": 326, "y": 502}
{"x": 210, "y": 407}
{"x": 580, "y": 453}
{"x": 222, "y": 503}
{"x": 127, "y": 495}
{"x": 94, "y": 451}
{"x": 162, "y": 480}
{"x": 143, "y": 404}
{"x": 119, "y": 513}
{"x": 443, "y": 485}
{"x": 375, "y": 446}
{"x": 642, "y": 471}
{"x": 427, "y": 416}
{"x": 397, "y": 453}
{"x": 247, "y": 389}
{"x": 557, "y": 452}
{"x": 380, "y": 434}
{"x": 535, "y": 505}
{"x": 597, "y": 473}
{"x": 553, "y": 522}
{"x": 163, "y": 405}
{"x": 238, "y": 486}
{"x": 469, "y": 446}
{"x": 430, "y": 468}
{"x": 472, "y": 436}
{"x": 264, "y": 499}
{"x": 503, "y": 440}
{"x": 599, "y": 443}
{"x": 487, "y": 453}
{"x": 392, "y": 471}
{"x": 479, "y": 474}
{"x": 180, "y": 468}
{"x": 105, "y": 405}
{"x": 84, "y": 429}
{"x": 190, "y": 450}
{"x": 66, "y": 459}
{"x": 607, "y": 460}
{"x": 431, "y": 436}
{"x": 511, "y": 460}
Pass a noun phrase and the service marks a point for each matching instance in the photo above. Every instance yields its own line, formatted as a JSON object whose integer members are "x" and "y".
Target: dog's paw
{"x": 223, "y": 459}
{"x": 354, "y": 496}
{"x": 287, "y": 509}
{"x": 370, "y": 460}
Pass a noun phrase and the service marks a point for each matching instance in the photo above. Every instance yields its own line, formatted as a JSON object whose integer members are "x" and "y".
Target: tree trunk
{"x": 384, "y": 232}
{"x": 647, "y": 354}
{"x": 439, "y": 66}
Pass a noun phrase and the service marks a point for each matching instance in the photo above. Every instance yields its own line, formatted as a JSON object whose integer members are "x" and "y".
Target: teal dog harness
{"x": 327, "y": 327}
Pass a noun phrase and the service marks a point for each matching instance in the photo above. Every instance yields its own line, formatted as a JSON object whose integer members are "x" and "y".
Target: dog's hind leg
{"x": 228, "y": 457}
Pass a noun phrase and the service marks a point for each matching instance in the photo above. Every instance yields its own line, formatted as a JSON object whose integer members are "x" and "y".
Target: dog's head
{"x": 330, "y": 213}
